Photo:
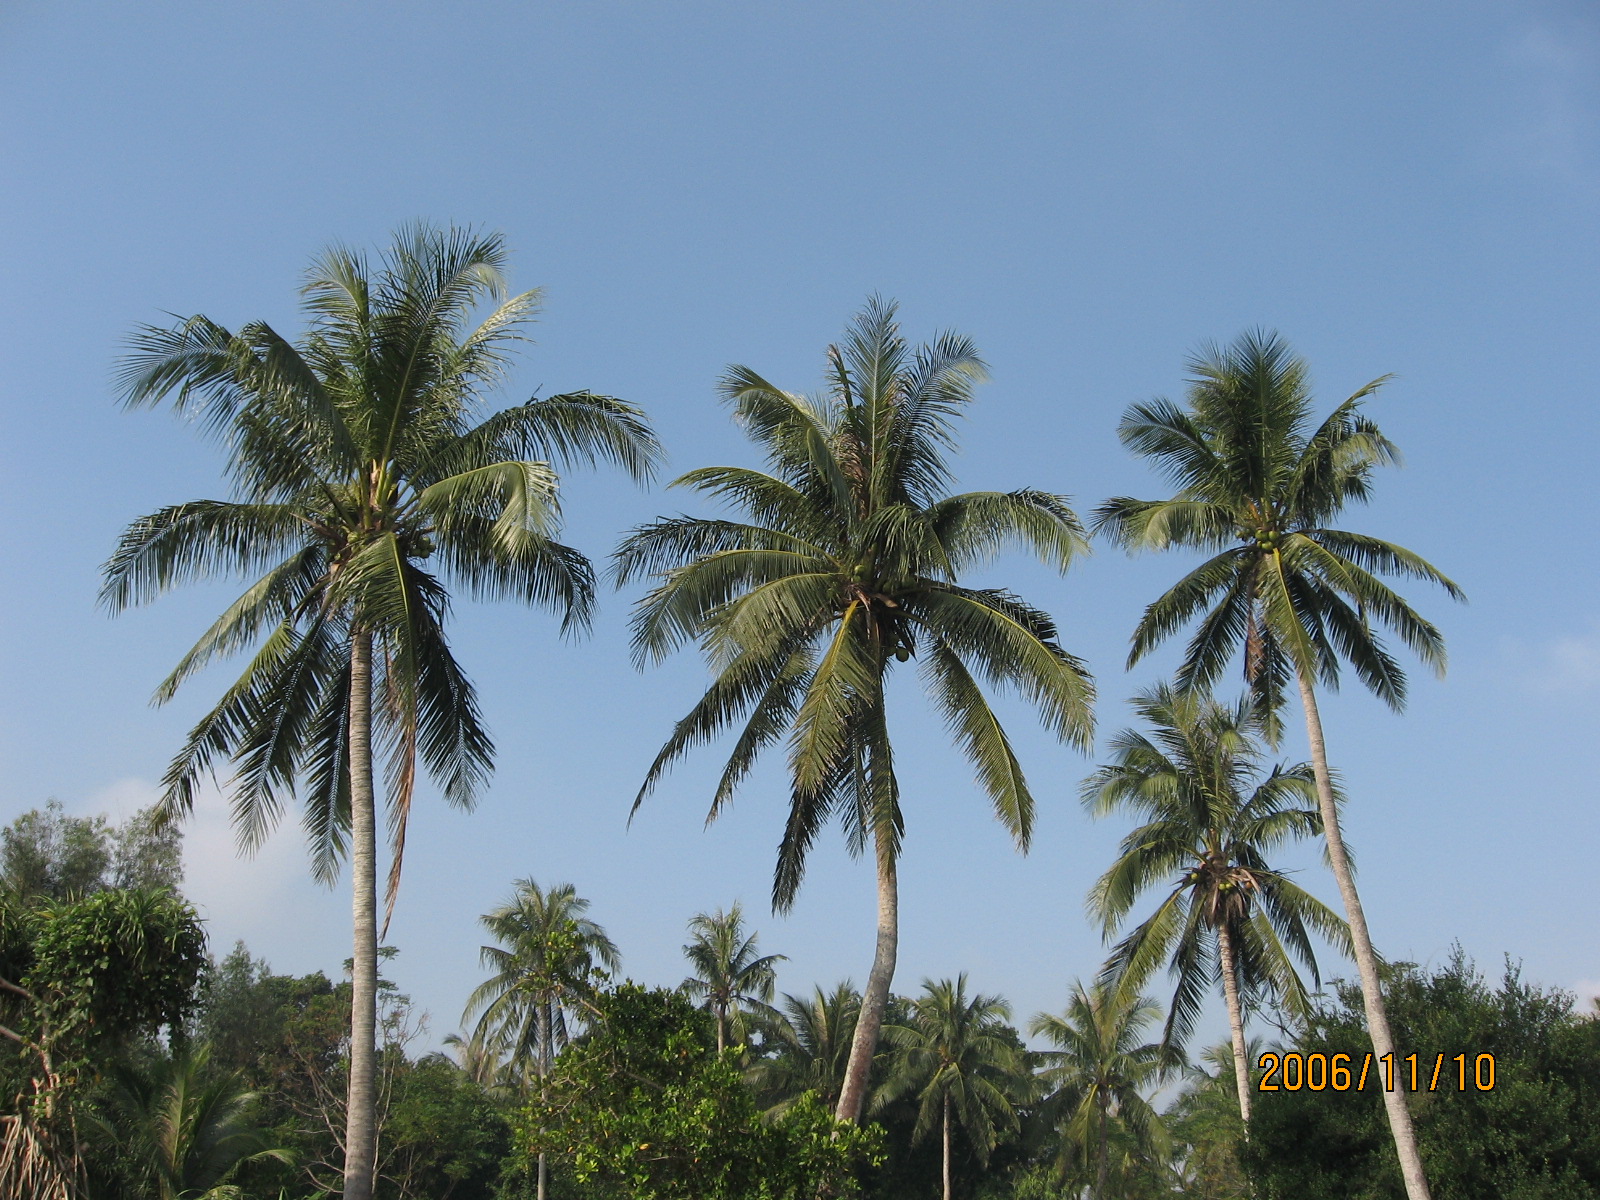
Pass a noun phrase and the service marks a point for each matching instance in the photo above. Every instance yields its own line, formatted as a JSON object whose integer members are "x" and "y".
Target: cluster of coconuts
{"x": 1266, "y": 539}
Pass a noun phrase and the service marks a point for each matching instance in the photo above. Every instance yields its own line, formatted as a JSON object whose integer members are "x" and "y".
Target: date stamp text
{"x": 1293, "y": 1072}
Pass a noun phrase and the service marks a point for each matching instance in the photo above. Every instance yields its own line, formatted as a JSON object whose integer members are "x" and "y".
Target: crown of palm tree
{"x": 368, "y": 480}
{"x": 1212, "y": 815}
{"x": 956, "y": 1047}
{"x": 812, "y": 1039}
{"x": 1260, "y": 484}
{"x": 1097, "y": 1072}
{"x": 848, "y": 562}
{"x": 186, "y": 1126}
{"x": 543, "y": 968}
{"x": 729, "y": 975}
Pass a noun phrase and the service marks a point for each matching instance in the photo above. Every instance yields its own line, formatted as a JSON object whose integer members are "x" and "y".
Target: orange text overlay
{"x": 1295, "y": 1072}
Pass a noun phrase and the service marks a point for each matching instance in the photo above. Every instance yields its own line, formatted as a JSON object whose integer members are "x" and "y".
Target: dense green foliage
{"x": 88, "y": 979}
{"x": 1535, "y": 1136}
{"x": 640, "y": 1104}
{"x": 646, "y": 1103}
{"x": 179, "y": 1127}
{"x": 46, "y": 852}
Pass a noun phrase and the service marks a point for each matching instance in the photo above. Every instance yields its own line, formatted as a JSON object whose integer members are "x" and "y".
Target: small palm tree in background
{"x": 729, "y": 975}
{"x": 1211, "y": 816}
{"x": 846, "y": 566}
{"x": 1205, "y": 1120}
{"x": 367, "y": 477}
{"x": 546, "y": 967}
{"x": 956, "y": 1057}
{"x": 810, "y": 1048}
{"x": 187, "y": 1128}
{"x": 1096, "y": 1072}
{"x": 486, "y": 1065}
{"x": 1259, "y": 485}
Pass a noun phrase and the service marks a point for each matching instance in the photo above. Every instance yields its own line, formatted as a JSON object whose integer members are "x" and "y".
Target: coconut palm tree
{"x": 847, "y": 565}
{"x": 186, "y": 1127}
{"x": 732, "y": 979}
{"x": 545, "y": 971}
{"x": 810, "y": 1040}
{"x": 1097, "y": 1070}
{"x": 367, "y": 478}
{"x": 1204, "y": 1119}
{"x": 1259, "y": 485}
{"x": 956, "y": 1055}
{"x": 1211, "y": 816}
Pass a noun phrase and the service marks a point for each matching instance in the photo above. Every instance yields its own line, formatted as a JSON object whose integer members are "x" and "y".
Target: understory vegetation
{"x": 217, "y": 1077}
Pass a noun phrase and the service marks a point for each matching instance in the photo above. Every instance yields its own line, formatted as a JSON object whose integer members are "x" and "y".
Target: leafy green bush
{"x": 646, "y": 1103}
{"x": 1535, "y": 1136}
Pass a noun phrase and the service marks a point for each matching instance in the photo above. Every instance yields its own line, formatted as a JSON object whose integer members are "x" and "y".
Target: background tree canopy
{"x": 645, "y": 1102}
{"x": 1536, "y": 1136}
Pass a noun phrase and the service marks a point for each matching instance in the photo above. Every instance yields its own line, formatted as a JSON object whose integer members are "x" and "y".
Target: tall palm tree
{"x": 544, "y": 974}
{"x": 1211, "y": 818}
{"x": 1097, "y": 1070}
{"x": 729, "y": 975}
{"x": 187, "y": 1127}
{"x": 812, "y": 1037}
{"x": 848, "y": 564}
{"x": 366, "y": 478}
{"x": 956, "y": 1055}
{"x": 1259, "y": 485}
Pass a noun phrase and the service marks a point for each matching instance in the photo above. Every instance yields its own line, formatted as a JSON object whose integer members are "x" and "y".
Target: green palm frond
{"x": 1250, "y": 468}
{"x": 198, "y": 540}
{"x": 842, "y": 559}
{"x": 955, "y": 1046}
{"x": 367, "y": 477}
{"x": 1215, "y": 811}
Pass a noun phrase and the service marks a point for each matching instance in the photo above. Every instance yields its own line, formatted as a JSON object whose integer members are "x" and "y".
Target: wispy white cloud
{"x": 1556, "y": 127}
{"x": 266, "y": 899}
{"x": 1564, "y": 666}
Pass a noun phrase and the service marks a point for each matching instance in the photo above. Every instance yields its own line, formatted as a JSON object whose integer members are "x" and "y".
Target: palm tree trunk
{"x": 1230, "y": 992}
{"x": 1103, "y": 1173}
{"x": 546, "y": 1054}
{"x": 947, "y": 1144}
{"x": 873, "y": 1001}
{"x": 360, "y": 1144}
{"x": 1405, "y": 1138}
{"x": 722, "y": 1027}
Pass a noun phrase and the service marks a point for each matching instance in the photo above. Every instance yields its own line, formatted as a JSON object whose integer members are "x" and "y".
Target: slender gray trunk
{"x": 547, "y": 1037}
{"x": 1103, "y": 1174}
{"x": 1230, "y": 991}
{"x": 360, "y": 1145}
{"x": 1405, "y": 1138}
{"x": 947, "y": 1191}
{"x": 722, "y": 1029}
{"x": 865, "y": 1042}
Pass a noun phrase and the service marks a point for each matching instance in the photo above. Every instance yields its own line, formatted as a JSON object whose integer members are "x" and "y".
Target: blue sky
{"x": 1089, "y": 191}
